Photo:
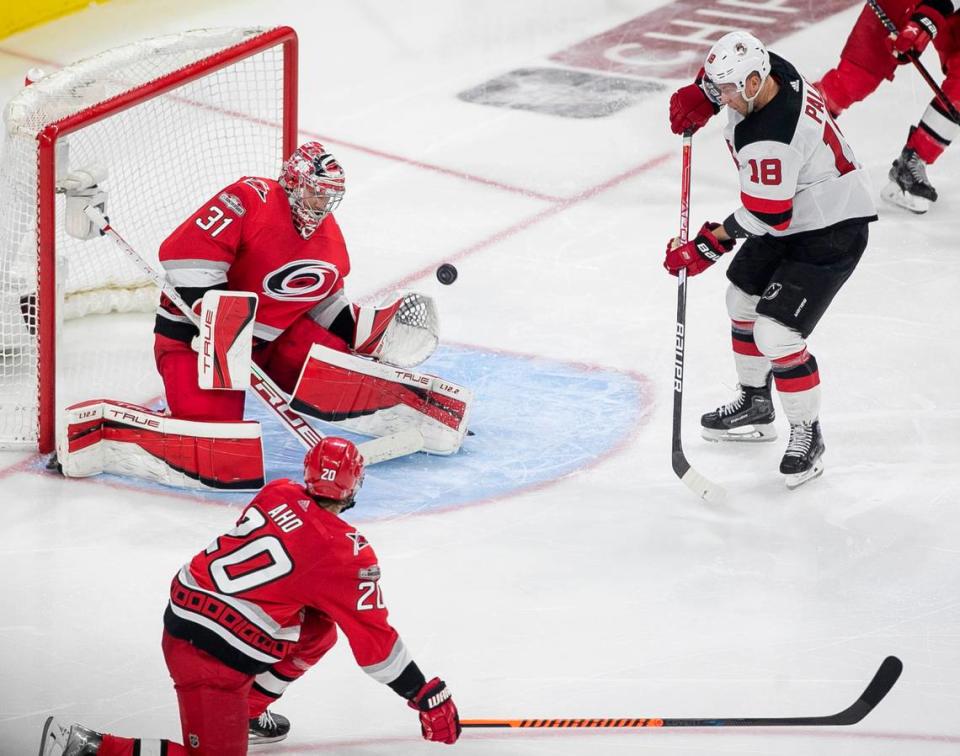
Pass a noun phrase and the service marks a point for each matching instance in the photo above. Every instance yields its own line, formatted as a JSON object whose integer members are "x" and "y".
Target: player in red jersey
{"x": 804, "y": 216}
{"x": 265, "y": 261}
{"x": 243, "y": 239}
{"x": 260, "y": 605}
{"x": 871, "y": 55}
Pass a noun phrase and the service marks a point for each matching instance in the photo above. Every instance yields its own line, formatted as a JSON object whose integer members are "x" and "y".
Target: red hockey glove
{"x": 439, "y": 719}
{"x": 917, "y": 32}
{"x": 690, "y": 107}
{"x": 696, "y": 255}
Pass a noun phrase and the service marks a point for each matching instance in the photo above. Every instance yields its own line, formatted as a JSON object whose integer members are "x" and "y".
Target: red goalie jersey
{"x": 243, "y": 599}
{"x": 243, "y": 239}
{"x": 797, "y": 172}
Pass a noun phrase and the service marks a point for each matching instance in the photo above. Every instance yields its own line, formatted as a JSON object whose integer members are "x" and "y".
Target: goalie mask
{"x": 315, "y": 183}
{"x": 731, "y": 61}
{"x": 333, "y": 469}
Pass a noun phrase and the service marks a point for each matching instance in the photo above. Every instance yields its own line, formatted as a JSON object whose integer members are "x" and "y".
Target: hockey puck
{"x": 446, "y": 274}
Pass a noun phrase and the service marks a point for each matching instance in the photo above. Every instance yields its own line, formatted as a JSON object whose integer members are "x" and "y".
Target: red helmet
{"x": 333, "y": 469}
{"x": 314, "y": 182}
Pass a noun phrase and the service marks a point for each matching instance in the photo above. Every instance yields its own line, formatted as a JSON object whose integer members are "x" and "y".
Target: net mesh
{"x": 163, "y": 156}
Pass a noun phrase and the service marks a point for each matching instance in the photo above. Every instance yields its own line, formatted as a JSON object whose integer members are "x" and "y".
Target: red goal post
{"x": 170, "y": 120}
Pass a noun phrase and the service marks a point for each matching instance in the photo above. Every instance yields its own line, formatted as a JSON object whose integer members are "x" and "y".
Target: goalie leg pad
{"x": 226, "y": 339}
{"x": 376, "y": 400}
{"x": 106, "y": 436}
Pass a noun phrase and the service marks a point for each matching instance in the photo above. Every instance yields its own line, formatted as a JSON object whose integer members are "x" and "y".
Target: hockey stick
{"x": 691, "y": 478}
{"x": 377, "y": 450}
{"x": 915, "y": 59}
{"x": 879, "y": 686}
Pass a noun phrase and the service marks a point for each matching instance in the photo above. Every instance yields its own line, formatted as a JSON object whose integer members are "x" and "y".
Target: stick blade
{"x": 883, "y": 681}
{"x": 702, "y": 487}
{"x": 390, "y": 447}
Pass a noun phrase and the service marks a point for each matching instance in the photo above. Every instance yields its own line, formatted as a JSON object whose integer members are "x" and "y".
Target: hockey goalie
{"x": 262, "y": 263}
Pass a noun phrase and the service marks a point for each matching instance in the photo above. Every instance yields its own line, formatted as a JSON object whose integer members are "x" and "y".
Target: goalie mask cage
{"x": 171, "y": 120}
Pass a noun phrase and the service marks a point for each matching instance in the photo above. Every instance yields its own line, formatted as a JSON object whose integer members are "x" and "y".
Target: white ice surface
{"x": 612, "y": 592}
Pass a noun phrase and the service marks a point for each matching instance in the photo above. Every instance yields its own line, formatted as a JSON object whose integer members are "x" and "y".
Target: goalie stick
{"x": 915, "y": 59}
{"x": 875, "y": 692}
{"x": 693, "y": 480}
{"x": 377, "y": 450}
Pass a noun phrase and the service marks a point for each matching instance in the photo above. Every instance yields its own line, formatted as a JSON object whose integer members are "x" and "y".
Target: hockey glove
{"x": 696, "y": 255}
{"x": 917, "y": 32}
{"x": 439, "y": 719}
{"x": 691, "y": 107}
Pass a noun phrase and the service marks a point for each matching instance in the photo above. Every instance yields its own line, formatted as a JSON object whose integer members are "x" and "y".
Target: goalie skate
{"x": 803, "y": 459}
{"x": 749, "y": 417}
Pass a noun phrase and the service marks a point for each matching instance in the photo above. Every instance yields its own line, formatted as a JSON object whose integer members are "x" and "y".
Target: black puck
{"x": 446, "y": 274}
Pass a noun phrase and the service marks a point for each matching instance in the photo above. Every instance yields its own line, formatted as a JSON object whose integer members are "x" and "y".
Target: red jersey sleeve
{"x": 209, "y": 238}
{"x": 348, "y": 590}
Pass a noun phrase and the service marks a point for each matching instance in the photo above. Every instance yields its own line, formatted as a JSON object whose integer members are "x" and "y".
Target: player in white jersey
{"x": 804, "y": 214}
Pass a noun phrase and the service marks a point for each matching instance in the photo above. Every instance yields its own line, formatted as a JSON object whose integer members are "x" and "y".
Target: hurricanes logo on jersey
{"x": 302, "y": 280}
{"x": 772, "y": 290}
{"x": 259, "y": 186}
{"x": 359, "y": 542}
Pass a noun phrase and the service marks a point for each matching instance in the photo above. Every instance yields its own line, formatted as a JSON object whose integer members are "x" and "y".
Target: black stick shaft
{"x": 881, "y": 684}
{"x": 915, "y": 59}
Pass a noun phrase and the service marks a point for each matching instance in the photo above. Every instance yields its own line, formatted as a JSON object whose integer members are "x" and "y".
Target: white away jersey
{"x": 797, "y": 172}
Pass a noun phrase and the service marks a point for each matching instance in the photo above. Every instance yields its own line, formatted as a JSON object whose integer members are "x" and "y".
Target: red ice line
{"x": 556, "y": 205}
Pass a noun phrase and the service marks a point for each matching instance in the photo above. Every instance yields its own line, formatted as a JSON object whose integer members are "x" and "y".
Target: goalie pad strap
{"x": 103, "y": 435}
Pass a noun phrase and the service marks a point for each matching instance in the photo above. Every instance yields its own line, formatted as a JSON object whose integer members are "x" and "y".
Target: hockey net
{"x": 170, "y": 120}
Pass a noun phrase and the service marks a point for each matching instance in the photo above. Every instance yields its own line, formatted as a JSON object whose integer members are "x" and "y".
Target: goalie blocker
{"x": 377, "y": 400}
{"x": 106, "y": 436}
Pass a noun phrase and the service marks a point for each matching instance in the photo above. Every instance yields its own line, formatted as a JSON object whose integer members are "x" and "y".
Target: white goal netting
{"x": 173, "y": 144}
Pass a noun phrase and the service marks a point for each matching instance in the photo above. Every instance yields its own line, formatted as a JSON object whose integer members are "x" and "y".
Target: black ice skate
{"x": 803, "y": 459}
{"x": 909, "y": 186}
{"x": 76, "y": 740}
{"x": 749, "y": 417}
{"x": 268, "y": 728}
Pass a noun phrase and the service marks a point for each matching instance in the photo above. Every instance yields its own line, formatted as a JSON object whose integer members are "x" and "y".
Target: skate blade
{"x": 749, "y": 433}
{"x": 257, "y": 740}
{"x": 896, "y": 196}
{"x": 798, "y": 479}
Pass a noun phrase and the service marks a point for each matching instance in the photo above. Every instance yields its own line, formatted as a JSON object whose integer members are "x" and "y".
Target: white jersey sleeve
{"x": 797, "y": 172}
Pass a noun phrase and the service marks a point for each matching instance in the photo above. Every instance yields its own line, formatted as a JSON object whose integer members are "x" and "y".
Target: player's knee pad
{"x": 740, "y": 305}
{"x": 775, "y": 340}
{"x": 367, "y": 397}
{"x": 849, "y": 83}
{"x": 105, "y": 436}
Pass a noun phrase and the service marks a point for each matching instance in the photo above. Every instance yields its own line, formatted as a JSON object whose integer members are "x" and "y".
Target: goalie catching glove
{"x": 439, "y": 719}
{"x": 402, "y": 331}
{"x": 696, "y": 255}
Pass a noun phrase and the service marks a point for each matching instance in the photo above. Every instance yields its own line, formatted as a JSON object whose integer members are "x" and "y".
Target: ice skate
{"x": 268, "y": 728}
{"x": 909, "y": 186}
{"x": 76, "y": 740}
{"x": 803, "y": 459}
{"x": 749, "y": 417}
